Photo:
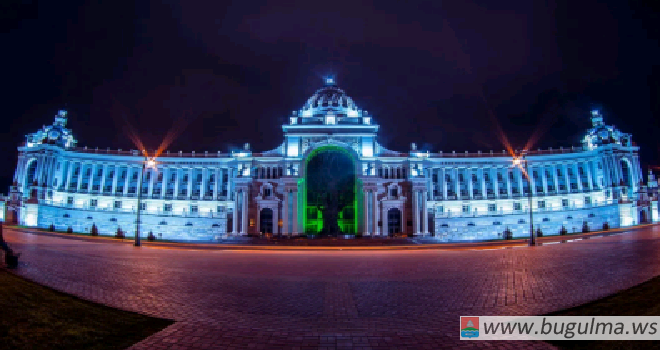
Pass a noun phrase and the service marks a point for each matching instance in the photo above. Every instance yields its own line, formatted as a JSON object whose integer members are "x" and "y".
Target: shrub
{"x": 94, "y": 231}
{"x": 563, "y": 231}
{"x": 507, "y": 234}
{"x": 120, "y": 233}
{"x": 606, "y": 226}
{"x": 69, "y": 229}
{"x": 151, "y": 237}
{"x": 585, "y": 227}
{"x": 539, "y": 232}
{"x": 51, "y": 228}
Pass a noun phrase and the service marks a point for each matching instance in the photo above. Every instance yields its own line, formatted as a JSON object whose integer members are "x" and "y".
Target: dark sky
{"x": 226, "y": 73}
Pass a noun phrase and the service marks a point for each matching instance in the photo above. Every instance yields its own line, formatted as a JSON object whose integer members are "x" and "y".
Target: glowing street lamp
{"x": 519, "y": 162}
{"x": 149, "y": 163}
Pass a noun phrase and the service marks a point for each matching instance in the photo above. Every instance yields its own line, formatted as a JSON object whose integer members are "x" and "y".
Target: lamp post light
{"x": 149, "y": 163}
{"x": 520, "y": 161}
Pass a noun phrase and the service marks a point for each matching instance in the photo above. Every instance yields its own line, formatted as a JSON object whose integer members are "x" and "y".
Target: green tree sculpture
{"x": 330, "y": 186}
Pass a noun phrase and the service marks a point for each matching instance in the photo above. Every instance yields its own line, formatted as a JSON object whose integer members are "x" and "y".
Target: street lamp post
{"x": 149, "y": 163}
{"x": 517, "y": 161}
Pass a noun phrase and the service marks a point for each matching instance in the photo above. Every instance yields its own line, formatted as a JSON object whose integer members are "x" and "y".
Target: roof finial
{"x": 596, "y": 118}
{"x": 329, "y": 80}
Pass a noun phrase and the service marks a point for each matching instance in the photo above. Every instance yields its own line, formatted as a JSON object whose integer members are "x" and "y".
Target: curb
{"x": 423, "y": 246}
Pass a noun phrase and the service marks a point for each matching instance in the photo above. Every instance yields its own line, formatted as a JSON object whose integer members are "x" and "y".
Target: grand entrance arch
{"x": 330, "y": 192}
{"x": 266, "y": 221}
{"x": 393, "y": 221}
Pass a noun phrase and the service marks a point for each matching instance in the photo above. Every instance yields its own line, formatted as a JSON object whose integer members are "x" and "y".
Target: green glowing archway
{"x": 330, "y": 181}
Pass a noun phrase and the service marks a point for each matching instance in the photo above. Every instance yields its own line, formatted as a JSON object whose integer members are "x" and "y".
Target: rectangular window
{"x": 394, "y": 192}
{"x": 440, "y": 209}
{"x": 194, "y": 209}
{"x": 587, "y": 200}
{"x": 167, "y": 207}
{"x": 541, "y": 204}
{"x": 466, "y": 208}
{"x": 492, "y": 207}
{"x": 143, "y": 206}
{"x": 266, "y": 192}
{"x": 69, "y": 200}
{"x": 517, "y": 206}
{"x": 93, "y": 203}
{"x": 564, "y": 203}
{"x": 221, "y": 209}
{"x": 117, "y": 204}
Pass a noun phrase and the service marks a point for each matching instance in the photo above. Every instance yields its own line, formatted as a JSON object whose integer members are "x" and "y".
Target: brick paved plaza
{"x": 231, "y": 299}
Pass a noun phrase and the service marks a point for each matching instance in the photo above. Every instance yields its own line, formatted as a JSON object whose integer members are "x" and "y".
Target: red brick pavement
{"x": 224, "y": 299}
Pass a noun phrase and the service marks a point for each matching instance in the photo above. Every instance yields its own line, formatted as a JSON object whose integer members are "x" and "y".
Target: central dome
{"x": 330, "y": 99}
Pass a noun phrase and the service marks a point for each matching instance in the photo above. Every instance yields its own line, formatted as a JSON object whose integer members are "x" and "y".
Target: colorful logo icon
{"x": 469, "y": 327}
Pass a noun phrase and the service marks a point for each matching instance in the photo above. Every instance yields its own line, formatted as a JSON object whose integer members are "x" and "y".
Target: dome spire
{"x": 329, "y": 80}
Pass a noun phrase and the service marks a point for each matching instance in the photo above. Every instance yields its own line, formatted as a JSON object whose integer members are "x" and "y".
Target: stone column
{"x": 285, "y": 212}
{"x": 69, "y": 173}
{"x": 589, "y": 176}
{"x": 577, "y": 176}
{"x": 129, "y": 169}
{"x": 404, "y": 223}
{"x": 484, "y": 193}
{"x": 415, "y": 212}
{"x": 215, "y": 183}
{"x": 152, "y": 181}
{"x": 235, "y": 218}
{"x": 444, "y": 185}
{"x": 567, "y": 178}
{"x": 365, "y": 205}
{"x": 425, "y": 216}
{"x": 386, "y": 231}
{"x": 164, "y": 181}
{"x": 245, "y": 212}
{"x": 468, "y": 175}
{"x": 457, "y": 187}
{"x": 190, "y": 182}
{"x": 496, "y": 183}
{"x": 544, "y": 179}
{"x": 104, "y": 173}
{"x": 259, "y": 218}
{"x": 177, "y": 180}
{"x": 555, "y": 177}
{"x": 294, "y": 222}
{"x": 507, "y": 178}
{"x": 115, "y": 177}
{"x": 230, "y": 189}
{"x": 617, "y": 172}
{"x": 80, "y": 175}
{"x": 374, "y": 213}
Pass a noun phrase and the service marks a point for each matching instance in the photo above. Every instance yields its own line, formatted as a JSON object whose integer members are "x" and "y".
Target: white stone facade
{"x": 452, "y": 196}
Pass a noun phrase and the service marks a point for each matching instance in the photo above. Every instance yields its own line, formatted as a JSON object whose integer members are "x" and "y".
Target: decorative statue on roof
{"x": 55, "y": 134}
{"x": 601, "y": 134}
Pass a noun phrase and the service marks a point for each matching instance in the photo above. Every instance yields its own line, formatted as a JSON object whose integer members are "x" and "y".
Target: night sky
{"x": 441, "y": 74}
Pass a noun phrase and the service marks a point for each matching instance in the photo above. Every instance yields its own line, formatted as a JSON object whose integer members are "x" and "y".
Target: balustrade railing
{"x": 460, "y": 214}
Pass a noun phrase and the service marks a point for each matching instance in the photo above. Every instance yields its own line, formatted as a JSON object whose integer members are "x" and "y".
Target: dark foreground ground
{"x": 312, "y": 299}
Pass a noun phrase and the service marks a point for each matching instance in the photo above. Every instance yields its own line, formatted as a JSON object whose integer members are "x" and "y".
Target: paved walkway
{"x": 230, "y": 299}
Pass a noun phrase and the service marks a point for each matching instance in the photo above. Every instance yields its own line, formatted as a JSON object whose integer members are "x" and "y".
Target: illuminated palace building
{"x": 448, "y": 195}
